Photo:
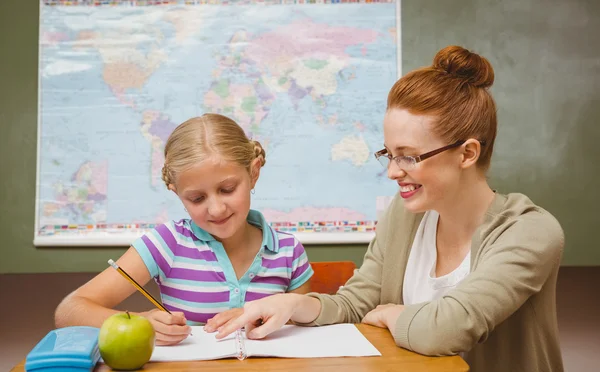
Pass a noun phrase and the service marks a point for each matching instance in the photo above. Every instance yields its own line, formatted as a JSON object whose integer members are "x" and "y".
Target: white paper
{"x": 340, "y": 340}
{"x": 200, "y": 346}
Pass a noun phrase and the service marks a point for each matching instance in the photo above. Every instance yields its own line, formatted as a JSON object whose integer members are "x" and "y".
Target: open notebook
{"x": 340, "y": 340}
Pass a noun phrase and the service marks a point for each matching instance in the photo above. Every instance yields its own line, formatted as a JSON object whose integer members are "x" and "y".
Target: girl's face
{"x": 216, "y": 194}
{"x": 430, "y": 184}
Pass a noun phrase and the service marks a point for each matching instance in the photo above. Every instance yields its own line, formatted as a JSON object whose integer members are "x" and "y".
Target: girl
{"x": 222, "y": 256}
{"x": 455, "y": 267}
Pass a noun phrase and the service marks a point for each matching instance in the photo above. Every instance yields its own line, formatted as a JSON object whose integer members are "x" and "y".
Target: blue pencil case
{"x": 70, "y": 349}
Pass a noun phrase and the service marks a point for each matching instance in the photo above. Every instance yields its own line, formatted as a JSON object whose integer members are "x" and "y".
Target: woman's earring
{"x": 252, "y": 191}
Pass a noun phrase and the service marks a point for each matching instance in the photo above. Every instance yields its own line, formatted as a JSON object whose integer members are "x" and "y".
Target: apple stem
{"x": 127, "y": 312}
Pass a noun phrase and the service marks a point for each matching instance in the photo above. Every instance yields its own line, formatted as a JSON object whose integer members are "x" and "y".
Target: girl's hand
{"x": 220, "y": 319}
{"x": 170, "y": 329}
{"x": 262, "y": 317}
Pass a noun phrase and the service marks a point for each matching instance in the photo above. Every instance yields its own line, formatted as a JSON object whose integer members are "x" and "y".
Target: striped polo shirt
{"x": 195, "y": 275}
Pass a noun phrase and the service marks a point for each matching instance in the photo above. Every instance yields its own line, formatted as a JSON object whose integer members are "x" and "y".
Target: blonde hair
{"x": 210, "y": 134}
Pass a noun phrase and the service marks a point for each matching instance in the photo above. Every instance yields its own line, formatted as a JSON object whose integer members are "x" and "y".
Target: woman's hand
{"x": 384, "y": 316}
{"x": 220, "y": 319}
{"x": 170, "y": 329}
{"x": 264, "y": 316}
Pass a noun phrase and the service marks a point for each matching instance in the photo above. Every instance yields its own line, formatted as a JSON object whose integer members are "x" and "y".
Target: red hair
{"x": 453, "y": 90}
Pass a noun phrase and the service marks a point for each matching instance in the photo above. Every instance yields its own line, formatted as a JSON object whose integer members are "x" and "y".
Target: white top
{"x": 420, "y": 283}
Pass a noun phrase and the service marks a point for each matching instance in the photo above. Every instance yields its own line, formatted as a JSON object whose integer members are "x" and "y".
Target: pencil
{"x": 139, "y": 287}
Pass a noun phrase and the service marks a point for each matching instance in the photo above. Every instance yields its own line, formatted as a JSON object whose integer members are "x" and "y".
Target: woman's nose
{"x": 394, "y": 172}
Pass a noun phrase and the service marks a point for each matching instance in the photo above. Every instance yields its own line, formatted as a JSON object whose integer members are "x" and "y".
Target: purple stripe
{"x": 195, "y": 253}
{"x": 158, "y": 258}
{"x": 286, "y": 242}
{"x": 180, "y": 250}
{"x": 300, "y": 270}
{"x": 278, "y": 262}
{"x": 298, "y": 251}
{"x": 199, "y": 275}
{"x": 252, "y": 296}
{"x": 183, "y": 230}
{"x": 191, "y": 296}
{"x": 167, "y": 236}
{"x": 272, "y": 280}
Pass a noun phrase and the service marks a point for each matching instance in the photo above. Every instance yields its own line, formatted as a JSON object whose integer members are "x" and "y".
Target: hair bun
{"x": 259, "y": 152}
{"x": 462, "y": 63}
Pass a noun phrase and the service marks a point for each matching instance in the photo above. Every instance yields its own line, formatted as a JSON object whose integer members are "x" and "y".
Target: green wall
{"x": 546, "y": 55}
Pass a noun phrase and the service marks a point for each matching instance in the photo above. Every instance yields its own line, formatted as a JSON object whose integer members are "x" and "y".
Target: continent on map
{"x": 352, "y": 148}
{"x": 83, "y": 198}
{"x": 302, "y": 59}
{"x": 247, "y": 103}
{"x": 306, "y": 57}
{"x": 125, "y": 65}
{"x": 156, "y": 128}
{"x": 187, "y": 21}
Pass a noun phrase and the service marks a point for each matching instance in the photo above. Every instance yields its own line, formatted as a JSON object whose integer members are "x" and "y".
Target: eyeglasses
{"x": 409, "y": 162}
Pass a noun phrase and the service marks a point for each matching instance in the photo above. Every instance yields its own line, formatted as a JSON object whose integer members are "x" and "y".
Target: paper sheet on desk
{"x": 340, "y": 340}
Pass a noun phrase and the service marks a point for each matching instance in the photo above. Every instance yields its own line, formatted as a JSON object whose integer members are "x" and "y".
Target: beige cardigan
{"x": 503, "y": 314}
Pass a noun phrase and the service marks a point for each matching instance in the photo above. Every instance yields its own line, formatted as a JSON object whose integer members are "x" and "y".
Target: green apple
{"x": 126, "y": 341}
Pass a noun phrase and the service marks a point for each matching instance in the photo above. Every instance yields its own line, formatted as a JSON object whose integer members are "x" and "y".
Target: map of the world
{"x": 308, "y": 79}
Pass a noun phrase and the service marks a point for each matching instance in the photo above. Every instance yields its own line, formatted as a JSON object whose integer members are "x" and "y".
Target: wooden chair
{"x": 330, "y": 276}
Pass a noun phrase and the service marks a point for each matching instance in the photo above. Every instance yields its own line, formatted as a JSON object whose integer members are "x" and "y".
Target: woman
{"x": 455, "y": 268}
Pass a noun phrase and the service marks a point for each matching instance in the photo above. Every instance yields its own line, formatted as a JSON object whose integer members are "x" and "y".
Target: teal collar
{"x": 256, "y": 219}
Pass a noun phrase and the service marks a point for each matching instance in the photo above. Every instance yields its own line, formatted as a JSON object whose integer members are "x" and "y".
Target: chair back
{"x": 330, "y": 276}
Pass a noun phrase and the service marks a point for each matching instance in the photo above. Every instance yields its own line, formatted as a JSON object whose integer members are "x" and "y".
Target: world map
{"x": 307, "y": 80}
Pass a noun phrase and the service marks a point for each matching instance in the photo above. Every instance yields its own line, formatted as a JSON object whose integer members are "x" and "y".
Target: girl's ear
{"x": 172, "y": 188}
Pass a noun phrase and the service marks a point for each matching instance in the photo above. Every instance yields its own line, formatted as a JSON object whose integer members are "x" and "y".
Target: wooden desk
{"x": 392, "y": 358}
